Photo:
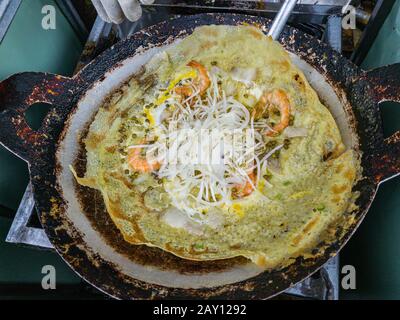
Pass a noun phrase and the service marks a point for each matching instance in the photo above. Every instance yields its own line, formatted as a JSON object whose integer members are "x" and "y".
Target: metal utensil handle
{"x": 281, "y": 18}
{"x": 17, "y": 94}
{"x": 385, "y": 86}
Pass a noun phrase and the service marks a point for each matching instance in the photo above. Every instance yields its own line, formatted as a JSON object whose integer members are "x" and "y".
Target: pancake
{"x": 282, "y": 177}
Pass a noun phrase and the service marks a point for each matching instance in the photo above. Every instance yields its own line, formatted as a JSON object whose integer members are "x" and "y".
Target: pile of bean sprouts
{"x": 207, "y": 146}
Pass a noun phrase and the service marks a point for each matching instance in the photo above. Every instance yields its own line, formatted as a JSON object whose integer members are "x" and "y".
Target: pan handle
{"x": 17, "y": 94}
{"x": 385, "y": 82}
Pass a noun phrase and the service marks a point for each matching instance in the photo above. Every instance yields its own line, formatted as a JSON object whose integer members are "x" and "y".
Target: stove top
{"x": 26, "y": 229}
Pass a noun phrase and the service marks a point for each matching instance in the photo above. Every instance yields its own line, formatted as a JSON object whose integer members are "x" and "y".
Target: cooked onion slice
{"x": 245, "y": 75}
{"x": 295, "y": 132}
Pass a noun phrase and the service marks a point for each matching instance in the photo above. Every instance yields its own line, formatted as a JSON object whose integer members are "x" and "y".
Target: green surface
{"x": 24, "y": 265}
{"x": 28, "y": 47}
{"x": 374, "y": 250}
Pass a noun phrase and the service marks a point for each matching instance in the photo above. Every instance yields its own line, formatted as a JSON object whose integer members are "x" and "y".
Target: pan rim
{"x": 234, "y": 289}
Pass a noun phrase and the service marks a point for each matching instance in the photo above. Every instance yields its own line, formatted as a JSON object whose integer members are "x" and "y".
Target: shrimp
{"x": 202, "y": 81}
{"x": 277, "y": 99}
{"x": 139, "y": 163}
{"x": 184, "y": 91}
{"x": 247, "y": 188}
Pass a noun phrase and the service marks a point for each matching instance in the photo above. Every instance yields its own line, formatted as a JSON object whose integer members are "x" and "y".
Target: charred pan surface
{"x": 384, "y": 82}
{"x": 17, "y": 94}
{"x": 69, "y": 243}
{"x": 383, "y": 85}
{"x": 386, "y": 161}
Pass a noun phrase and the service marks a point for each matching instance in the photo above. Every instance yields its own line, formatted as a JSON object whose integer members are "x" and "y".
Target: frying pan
{"x": 74, "y": 219}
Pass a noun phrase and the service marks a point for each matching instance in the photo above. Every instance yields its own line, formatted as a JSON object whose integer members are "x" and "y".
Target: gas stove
{"x": 321, "y": 19}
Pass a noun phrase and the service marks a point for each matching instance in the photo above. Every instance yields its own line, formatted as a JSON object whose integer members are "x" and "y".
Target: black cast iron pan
{"x": 94, "y": 250}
